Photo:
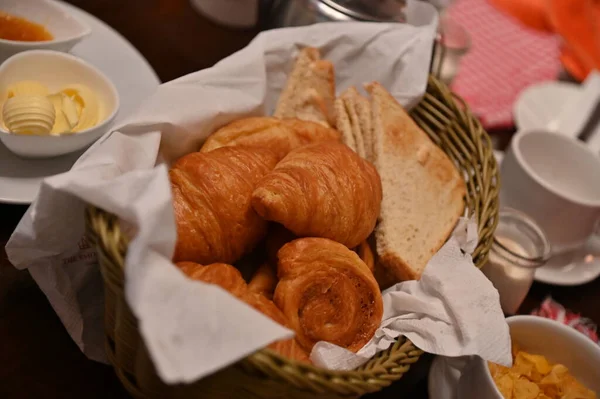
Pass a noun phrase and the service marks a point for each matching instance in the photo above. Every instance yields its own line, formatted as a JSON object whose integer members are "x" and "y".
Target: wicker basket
{"x": 265, "y": 374}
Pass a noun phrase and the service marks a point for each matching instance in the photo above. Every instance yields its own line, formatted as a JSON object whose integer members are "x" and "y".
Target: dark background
{"x": 38, "y": 359}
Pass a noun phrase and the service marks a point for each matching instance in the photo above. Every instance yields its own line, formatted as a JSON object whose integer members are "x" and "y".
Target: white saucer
{"x": 539, "y": 104}
{"x": 573, "y": 268}
{"x": 131, "y": 74}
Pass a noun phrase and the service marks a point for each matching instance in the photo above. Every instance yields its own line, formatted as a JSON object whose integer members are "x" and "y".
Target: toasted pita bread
{"x": 363, "y": 108}
{"x": 349, "y": 98}
{"x": 344, "y": 125}
{"x": 358, "y": 111}
{"x": 310, "y": 90}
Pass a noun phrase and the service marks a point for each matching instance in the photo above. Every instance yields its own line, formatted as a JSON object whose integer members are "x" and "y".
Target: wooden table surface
{"x": 38, "y": 359}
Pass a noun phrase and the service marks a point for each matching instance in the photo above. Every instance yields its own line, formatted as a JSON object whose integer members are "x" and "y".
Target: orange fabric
{"x": 576, "y": 21}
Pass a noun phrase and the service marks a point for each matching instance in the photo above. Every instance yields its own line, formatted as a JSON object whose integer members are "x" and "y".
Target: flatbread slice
{"x": 344, "y": 125}
{"x": 309, "y": 93}
{"x": 423, "y": 192}
{"x": 349, "y": 98}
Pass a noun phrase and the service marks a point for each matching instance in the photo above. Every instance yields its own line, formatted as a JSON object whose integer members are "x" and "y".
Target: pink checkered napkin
{"x": 505, "y": 57}
{"x": 551, "y": 309}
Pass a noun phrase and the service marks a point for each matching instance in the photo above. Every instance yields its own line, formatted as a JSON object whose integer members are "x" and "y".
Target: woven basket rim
{"x": 123, "y": 243}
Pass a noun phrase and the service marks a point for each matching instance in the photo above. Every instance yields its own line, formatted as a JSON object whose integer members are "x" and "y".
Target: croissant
{"x": 365, "y": 253}
{"x": 322, "y": 190}
{"x": 230, "y": 279}
{"x": 277, "y": 237}
{"x": 264, "y": 281}
{"x": 279, "y": 135}
{"x": 289, "y": 347}
{"x": 327, "y": 293}
{"x": 225, "y": 276}
{"x": 211, "y": 201}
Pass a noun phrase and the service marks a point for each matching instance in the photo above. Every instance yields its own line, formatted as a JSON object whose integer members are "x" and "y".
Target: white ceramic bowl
{"x": 66, "y": 29}
{"x": 537, "y": 335}
{"x": 56, "y": 70}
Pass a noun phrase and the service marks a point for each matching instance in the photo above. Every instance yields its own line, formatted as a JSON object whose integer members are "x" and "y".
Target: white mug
{"x": 555, "y": 180}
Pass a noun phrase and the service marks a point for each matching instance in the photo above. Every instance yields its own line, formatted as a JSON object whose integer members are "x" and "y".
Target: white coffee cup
{"x": 555, "y": 180}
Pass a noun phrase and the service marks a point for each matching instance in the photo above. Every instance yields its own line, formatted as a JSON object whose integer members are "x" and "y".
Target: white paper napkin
{"x": 191, "y": 329}
{"x": 453, "y": 310}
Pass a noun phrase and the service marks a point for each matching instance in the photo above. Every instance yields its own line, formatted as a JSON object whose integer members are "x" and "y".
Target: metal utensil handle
{"x": 437, "y": 64}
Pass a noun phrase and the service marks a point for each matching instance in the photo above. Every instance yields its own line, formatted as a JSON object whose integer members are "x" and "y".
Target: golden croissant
{"x": 211, "y": 199}
{"x": 322, "y": 190}
{"x": 278, "y": 135}
{"x": 289, "y": 347}
{"x": 327, "y": 294}
{"x": 264, "y": 280}
{"x": 225, "y": 276}
{"x": 230, "y": 279}
{"x": 277, "y": 237}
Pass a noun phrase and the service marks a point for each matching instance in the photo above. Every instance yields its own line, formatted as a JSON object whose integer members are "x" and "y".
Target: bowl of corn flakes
{"x": 550, "y": 361}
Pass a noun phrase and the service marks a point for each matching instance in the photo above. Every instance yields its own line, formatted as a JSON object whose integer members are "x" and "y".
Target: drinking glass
{"x": 520, "y": 246}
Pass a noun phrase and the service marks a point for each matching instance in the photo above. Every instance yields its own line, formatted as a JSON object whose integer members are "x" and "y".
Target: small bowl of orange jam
{"x": 37, "y": 24}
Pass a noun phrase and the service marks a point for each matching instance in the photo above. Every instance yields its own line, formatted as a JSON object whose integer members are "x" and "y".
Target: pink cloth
{"x": 505, "y": 57}
{"x": 551, "y": 309}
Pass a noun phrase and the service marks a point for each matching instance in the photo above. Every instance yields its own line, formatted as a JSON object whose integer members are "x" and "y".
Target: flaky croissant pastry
{"x": 289, "y": 348}
{"x": 322, "y": 190}
{"x": 365, "y": 253}
{"x": 225, "y": 276}
{"x": 279, "y": 135}
{"x": 327, "y": 293}
{"x": 230, "y": 279}
{"x": 277, "y": 237}
{"x": 211, "y": 199}
{"x": 264, "y": 280}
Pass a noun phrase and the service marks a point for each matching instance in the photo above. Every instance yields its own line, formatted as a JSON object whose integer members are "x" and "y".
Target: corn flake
{"x": 534, "y": 377}
{"x": 505, "y": 384}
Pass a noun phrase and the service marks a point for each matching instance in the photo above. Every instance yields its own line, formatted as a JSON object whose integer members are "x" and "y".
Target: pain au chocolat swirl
{"x": 327, "y": 294}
